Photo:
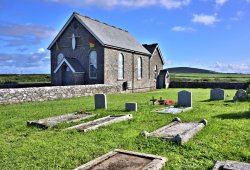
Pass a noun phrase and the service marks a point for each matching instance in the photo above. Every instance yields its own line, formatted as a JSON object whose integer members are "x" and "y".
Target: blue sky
{"x": 210, "y": 34}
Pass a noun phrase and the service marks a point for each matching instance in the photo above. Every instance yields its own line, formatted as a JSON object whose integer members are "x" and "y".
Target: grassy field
{"x": 24, "y": 78}
{"x": 210, "y": 77}
{"x": 227, "y": 136}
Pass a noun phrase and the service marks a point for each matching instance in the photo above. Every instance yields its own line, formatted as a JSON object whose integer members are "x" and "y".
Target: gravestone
{"x": 185, "y": 98}
{"x": 131, "y": 107}
{"x": 100, "y": 101}
{"x": 217, "y": 94}
{"x": 240, "y": 95}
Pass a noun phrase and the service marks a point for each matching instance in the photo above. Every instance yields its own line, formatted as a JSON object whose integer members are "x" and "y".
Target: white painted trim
{"x": 68, "y": 64}
{"x": 74, "y": 15}
{"x": 95, "y": 78}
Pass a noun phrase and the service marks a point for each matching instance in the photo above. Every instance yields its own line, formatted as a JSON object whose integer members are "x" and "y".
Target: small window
{"x": 59, "y": 58}
{"x": 93, "y": 64}
{"x": 120, "y": 67}
{"x": 139, "y": 68}
{"x": 156, "y": 71}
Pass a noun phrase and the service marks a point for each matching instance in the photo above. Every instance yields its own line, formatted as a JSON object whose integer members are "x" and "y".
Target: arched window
{"x": 93, "y": 64}
{"x": 156, "y": 71}
{"x": 60, "y": 58}
{"x": 120, "y": 67}
{"x": 139, "y": 68}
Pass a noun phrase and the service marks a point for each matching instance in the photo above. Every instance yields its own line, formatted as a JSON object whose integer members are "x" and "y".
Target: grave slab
{"x": 173, "y": 110}
{"x": 184, "y": 99}
{"x": 217, "y": 94}
{"x": 177, "y": 131}
{"x": 125, "y": 160}
{"x": 131, "y": 107}
{"x": 53, "y": 121}
{"x": 100, "y": 101}
{"x": 231, "y": 165}
{"x": 92, "y": 125}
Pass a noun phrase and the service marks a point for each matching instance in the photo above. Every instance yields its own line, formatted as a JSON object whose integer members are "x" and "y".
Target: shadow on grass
{"x": 239, "y": 115}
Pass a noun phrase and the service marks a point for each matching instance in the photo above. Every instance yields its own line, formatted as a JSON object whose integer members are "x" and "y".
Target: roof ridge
{"x": 100, "y": 21}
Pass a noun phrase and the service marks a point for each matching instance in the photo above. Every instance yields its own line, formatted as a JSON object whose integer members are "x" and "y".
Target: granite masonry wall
{"x": 8, "y": 96}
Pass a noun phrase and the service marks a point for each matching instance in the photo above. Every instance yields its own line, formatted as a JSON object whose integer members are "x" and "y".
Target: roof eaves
{"x": 61, "y": 31}
{"x": 128, "y": 50}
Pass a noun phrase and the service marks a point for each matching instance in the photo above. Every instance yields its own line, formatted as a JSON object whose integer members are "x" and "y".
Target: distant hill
{"x": 189, "y": 70}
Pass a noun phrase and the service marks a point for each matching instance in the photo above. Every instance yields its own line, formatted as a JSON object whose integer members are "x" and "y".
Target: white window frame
{"x": 139, "y": 67}
{"x": 120, "y": 66}
{"x": 90, "y": 64}
{"x": 155, "y": 71}
{"x": 57, "y": 58}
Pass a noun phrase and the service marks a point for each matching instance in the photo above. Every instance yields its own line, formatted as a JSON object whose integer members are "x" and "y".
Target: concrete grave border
{"x": 117, "y": 118}
{"x": 156, "y": 164}
{"x": 53, "y": 121}
{"x": 182, "y": 109}
{"x": 233, "y": 165}
{"x": 179, "y": 138}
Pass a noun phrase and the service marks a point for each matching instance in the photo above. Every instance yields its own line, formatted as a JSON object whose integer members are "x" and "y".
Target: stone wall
{"x": 8, "y": 96}
{"x": 130, "y": 70}
{"x": 81, "y": 53}
{"x": 223, "y": 85}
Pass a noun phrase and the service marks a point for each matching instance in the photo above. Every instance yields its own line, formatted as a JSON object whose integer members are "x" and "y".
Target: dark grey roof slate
{"x": 112, "y": 36}
{"x": 75, "y": 64}
{"x": 150, "y": 47}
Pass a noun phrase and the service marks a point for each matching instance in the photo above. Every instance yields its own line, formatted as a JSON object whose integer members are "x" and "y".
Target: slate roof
{"x": 150, "y": 47}
{"x": 107, "y": 35}
{"x": 75, "y": 64}
{"x": 72, "y": 63}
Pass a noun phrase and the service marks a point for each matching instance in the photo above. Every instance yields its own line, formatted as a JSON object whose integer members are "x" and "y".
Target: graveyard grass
{"x": 226, "y": 137}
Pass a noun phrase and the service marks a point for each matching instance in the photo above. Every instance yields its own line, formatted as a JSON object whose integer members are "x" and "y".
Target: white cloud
{"x": 220, "y": 2}
{"x": 231, "y": 68}
{"x": 182, "y": 29}
{"x": 24, "y": 34}
{"x": 36, "y": 62}
{"x": 41, "y": 50}
{"x": 205, "y": 19}
{"x": 169, "y": 4}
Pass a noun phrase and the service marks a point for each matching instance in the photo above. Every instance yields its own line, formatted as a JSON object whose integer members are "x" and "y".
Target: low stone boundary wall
{"x": 223, "y": 85}
{"x": 8, "y": 96}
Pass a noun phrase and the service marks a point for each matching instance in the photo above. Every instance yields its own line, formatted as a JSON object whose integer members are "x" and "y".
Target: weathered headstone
{"x": 217, "y": 94}
{"x": 100, "y": 101}
{"x": 131, "y": 107}
{"x": 240, "y": 95}
{"x": 233, "y": 165}
{"x": 185, "y": 98}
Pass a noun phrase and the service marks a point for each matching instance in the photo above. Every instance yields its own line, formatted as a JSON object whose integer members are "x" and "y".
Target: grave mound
{"x": 125, "y": 160}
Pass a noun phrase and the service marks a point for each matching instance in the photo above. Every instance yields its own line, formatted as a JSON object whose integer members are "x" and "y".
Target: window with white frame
{"x": 156, "y": 71}
{"x": 93, "y": 65}
{"x": 139, "y": 68}
{"x": 120, "y": 67}
{"x": 60, "y": 58}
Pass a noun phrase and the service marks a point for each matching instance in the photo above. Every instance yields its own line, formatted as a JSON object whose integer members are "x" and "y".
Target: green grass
{"x": 227, "y": 136}
{"x": 24, "y": 78}
{"x": 199, "y": 77}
